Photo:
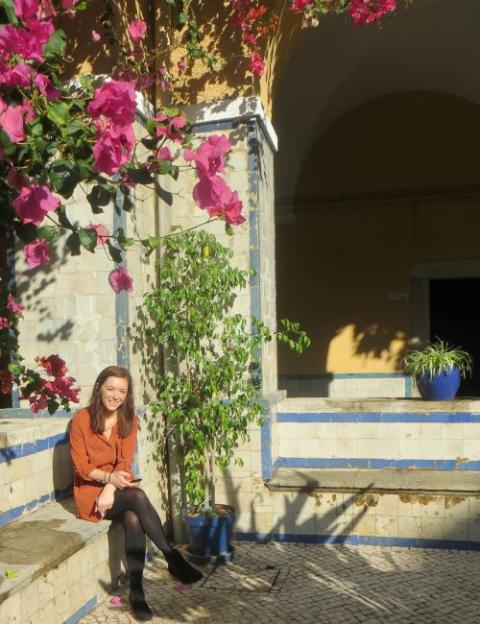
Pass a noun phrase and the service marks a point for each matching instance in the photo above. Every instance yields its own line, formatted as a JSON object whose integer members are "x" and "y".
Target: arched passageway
{"x": 378, "y": 196}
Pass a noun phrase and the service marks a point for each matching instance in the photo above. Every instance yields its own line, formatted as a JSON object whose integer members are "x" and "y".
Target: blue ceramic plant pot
{"x": 210, "y": 535}
{"x": 442, "y": 387}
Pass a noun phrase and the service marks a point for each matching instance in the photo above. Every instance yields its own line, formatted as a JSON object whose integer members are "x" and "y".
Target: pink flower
{"x": 34, "y": 202}
{"x": 37, "y": 253}
{"x": 120, "y": 279}
{"x": 26, "y": 9}
{"x": 18, "y": 76}
{"x": 171, "y": 128}
{"x": 164, "y": 153}
{"x": 114, "y": 147}
{"x": 367, "y": 11}
{"x": 116, "y": 601}
{"x": 115, "y": 100}
{"x": 46, "y": 88}
{"x": 102, "y": 232}
{"x": 137, "y": 30}
{"x": 95, "y": 36}
{"x": 13, "y": 306}
{"x": 53, "y": 365}
{"x": 257, "y": 64}
{"x": 61, "y": 386}
{"x": 181, "y": 65}
{"x": 212, "y": 194}
{"x": 38, "y": 402}
{"x": 12, "y": 119}
{"x": 209, "y": 157}
{"x": 3, "y": 323}
{"x": 15, "y": 179}
{"x": 298, "y": 6}
{"x": 46, "y": 10}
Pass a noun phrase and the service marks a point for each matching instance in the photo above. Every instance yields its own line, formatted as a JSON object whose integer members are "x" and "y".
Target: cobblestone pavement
{"x": 285, "y": 583}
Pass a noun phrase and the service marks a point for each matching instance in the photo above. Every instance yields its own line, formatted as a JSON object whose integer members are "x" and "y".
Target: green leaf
{"x": 140, "y": 175}
{"x": 88, "y": 238}
{"x": 171, "y": 111}
{"x": 49, "y": 233}
{"x": 58, "y": 113}
{"x": 63, "y": 219}
{"x": 56, "y": 45}
{"x": 10, "y": 574}
{"x": 74, "y": 244}
{"x": 115, "y": 252}
{"x": 127, "y": 203}
{"x": 99, "y": 196}
{"x": 8, "y": 5}
{"x": 64, "y": 177}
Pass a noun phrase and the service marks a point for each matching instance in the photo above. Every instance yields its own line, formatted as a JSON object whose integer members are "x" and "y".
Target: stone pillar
{"x": 250, "y": 172}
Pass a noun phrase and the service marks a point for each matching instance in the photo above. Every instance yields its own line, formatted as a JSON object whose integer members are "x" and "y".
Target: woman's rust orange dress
{"x": 92, "y": 450}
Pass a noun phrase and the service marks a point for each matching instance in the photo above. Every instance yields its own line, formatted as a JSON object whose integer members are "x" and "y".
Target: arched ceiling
{"x": 434, "y": 45}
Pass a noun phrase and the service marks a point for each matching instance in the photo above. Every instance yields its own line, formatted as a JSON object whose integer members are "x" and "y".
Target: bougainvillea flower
{"x": 120, "y": 279}
{"x": 34, "y": 202}
{"x": 62, "y": 386}
{"x": 37, "y": 253}
{"x": 46, "y": 10}
{"x": 18, "y": 76}
{"x": 367, "y": 11}
{"x": 209, "y": 157}
{"x": 38, "y": 401}
{"x": 257, "y": 64}
{"x": 15, "y": 179}
{"x": 102, "y": 232}
{"x": 26, "y": 9}
{"x": 95, "y": 36}
{"x": 171, "y": 128}
{"x": 164, "y": 153}
{"x": 114, "y": 147}
{"x": 116, "y": 101}
{"x": 53, "y": 365}
{"x": 46, "y": 88}
{"x": 298, "y": 6}
{"x": 116, "y": 601}
{"x": 3, "y": 322}
{"x": 214, "y": 195}
{"x": 137, "y": 30}
{"x": 13, "y": 306}
{"x": 12, "y": 119}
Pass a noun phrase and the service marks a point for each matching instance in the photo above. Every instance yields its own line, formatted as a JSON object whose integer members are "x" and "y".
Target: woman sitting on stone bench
{"x": 102, "y": 443}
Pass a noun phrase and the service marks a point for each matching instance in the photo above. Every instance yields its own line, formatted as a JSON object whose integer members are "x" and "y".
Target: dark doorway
{"x": 455, "y": 317}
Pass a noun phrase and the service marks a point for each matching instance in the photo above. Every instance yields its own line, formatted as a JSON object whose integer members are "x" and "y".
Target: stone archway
{"x": 345, "y": 224}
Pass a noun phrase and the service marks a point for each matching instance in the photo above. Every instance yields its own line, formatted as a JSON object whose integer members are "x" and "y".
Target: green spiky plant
{"x": 436, "y": 358}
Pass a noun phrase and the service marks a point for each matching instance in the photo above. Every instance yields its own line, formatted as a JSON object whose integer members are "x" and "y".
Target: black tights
{"x": 139, "y": 518}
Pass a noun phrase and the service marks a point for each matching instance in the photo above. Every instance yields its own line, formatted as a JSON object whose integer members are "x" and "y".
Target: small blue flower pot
{"x": 210, "y": 536}
{"x": 442, "y": 387}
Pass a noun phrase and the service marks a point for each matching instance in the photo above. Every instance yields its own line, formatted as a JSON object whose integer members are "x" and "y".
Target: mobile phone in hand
{"x": 135, "y": 480}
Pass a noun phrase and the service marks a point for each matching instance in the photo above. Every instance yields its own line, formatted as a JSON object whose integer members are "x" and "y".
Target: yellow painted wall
{"x": 344, "y": 266}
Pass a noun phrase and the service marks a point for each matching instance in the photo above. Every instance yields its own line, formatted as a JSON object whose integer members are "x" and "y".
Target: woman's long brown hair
{"x": 125, "y": 413}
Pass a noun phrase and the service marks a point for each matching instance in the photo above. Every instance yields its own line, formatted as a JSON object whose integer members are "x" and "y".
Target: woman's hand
{"x": 105, "y": 500}
{"x": 121, "y": 479}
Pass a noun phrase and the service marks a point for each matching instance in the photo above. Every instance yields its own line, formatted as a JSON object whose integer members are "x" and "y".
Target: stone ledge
{"x": 60, "y": 562}
{"x": 389, "y": 481}
{"x": 319, "y": 404}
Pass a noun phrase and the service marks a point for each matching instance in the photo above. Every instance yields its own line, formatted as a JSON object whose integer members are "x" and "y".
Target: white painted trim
{"x": 230, "y": 110}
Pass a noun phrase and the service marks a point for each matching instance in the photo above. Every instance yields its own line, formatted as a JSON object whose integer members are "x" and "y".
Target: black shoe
{"x": 140, "y": 608}
{"x": 181, "y": 569}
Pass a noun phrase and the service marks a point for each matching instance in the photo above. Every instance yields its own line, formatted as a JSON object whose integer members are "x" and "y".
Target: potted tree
{"x": 438, "y": 369}
{"x": 207, "y": 396}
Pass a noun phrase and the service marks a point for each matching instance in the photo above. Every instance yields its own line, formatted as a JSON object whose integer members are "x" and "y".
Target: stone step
{"x": 54, "y": 568}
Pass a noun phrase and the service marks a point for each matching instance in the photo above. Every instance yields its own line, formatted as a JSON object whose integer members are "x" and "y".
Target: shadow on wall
{"x": 378, "y": 583}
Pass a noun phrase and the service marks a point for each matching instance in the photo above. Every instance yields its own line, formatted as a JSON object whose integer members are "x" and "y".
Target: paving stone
{"x": 285, "y": 583}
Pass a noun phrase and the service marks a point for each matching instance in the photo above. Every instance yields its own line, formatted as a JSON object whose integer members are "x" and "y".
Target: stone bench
{"x": 61, "y": 566}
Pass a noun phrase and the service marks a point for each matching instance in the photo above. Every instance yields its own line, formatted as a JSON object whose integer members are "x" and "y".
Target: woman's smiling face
{"x": 113, "y": 393}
